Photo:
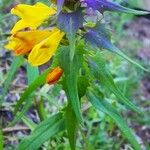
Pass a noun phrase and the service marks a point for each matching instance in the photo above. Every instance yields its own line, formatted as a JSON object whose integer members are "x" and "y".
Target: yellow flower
{"x": 22, "y": 42}
{"x": 39, "y": 44}
{"x": 43, "y": 51}
{"x": 31, "y": 16}
{"x": 54, "y": 75}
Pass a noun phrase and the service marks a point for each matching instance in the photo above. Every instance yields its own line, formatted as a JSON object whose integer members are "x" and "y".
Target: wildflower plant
{"x": 73, "y": 43}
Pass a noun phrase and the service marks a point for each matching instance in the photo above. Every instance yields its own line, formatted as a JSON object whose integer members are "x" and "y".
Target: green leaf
{"x": 44, "y": 131}
{"x": 40, "y": 80}
{"x": 99, "y": 70}
{"x": 104, "y": 106}
{"x": 72, "y": 39}
{"x": 114, "y": 6}
{"x": 19, "y": 114}
{"x": 29, "y": 123}
{"x": 71, "y": 71}
{"x": 71, "y": 126}
{"x": 17, "y": 62}
{"x": 32, "y": 73}
{"x": 119, "y": 52}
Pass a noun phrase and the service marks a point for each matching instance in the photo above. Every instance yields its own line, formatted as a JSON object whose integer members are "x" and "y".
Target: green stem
{"x": 41, "y": 109}
{"x": 1, "y": 139}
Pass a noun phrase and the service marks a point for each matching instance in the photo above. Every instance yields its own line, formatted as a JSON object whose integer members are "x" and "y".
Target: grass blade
{"x": 40, "y": 80}
{"x": 17, "y": 62}
{"x": 104, "y": 106}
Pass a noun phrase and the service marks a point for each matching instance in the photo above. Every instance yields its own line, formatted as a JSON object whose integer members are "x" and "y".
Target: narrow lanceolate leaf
{"x": 29, "y": 123}
{"x": 40, "y": 80}
{"x": 71, "y": 126}
{"x": 44, "y": 131}
{"x": 32, "y": 74}
{"x": 17, "y": 62}
{"x": 99, "y": 70}
{"x": 106, "y": 5}
{"x": 1, "y": 139}
{"x": 71, "y": 72}
{"x": 99, "y": 38}
{"x": 104, "y": 106}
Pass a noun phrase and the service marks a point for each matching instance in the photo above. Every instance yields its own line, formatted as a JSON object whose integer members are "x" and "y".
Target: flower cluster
{"x": 26, "y": 39}
{"x": 39, "y": 44}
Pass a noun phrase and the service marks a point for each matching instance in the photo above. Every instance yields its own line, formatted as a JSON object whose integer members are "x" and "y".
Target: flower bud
{"x": 54, "y": 75}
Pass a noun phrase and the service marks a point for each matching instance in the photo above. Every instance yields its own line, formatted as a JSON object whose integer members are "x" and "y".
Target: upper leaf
{"x": 105, "y": 5}
{"x": 99, "y": 37}
{"x": 70, "y": 23}
{"x": 64, "y": 20}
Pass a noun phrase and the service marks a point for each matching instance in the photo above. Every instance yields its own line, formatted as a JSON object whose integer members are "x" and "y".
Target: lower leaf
{"x": 104, "y": 106}
{"x": 45, "y": 130}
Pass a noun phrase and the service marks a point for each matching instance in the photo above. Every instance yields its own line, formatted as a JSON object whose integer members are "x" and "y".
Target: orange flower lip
{"x": 54, "y": 75}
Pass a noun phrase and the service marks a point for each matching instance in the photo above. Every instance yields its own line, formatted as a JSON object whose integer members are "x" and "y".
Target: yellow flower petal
{"x": 11, "y": 45}
{"x": 21, "y": 24}
{"x": 43, "y": 51}
{"x": 31, "y": 15}
{"x": 23, "y": 42}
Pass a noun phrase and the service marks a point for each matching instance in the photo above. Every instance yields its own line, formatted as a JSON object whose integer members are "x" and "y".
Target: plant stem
{"x": 40, "y": 109}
